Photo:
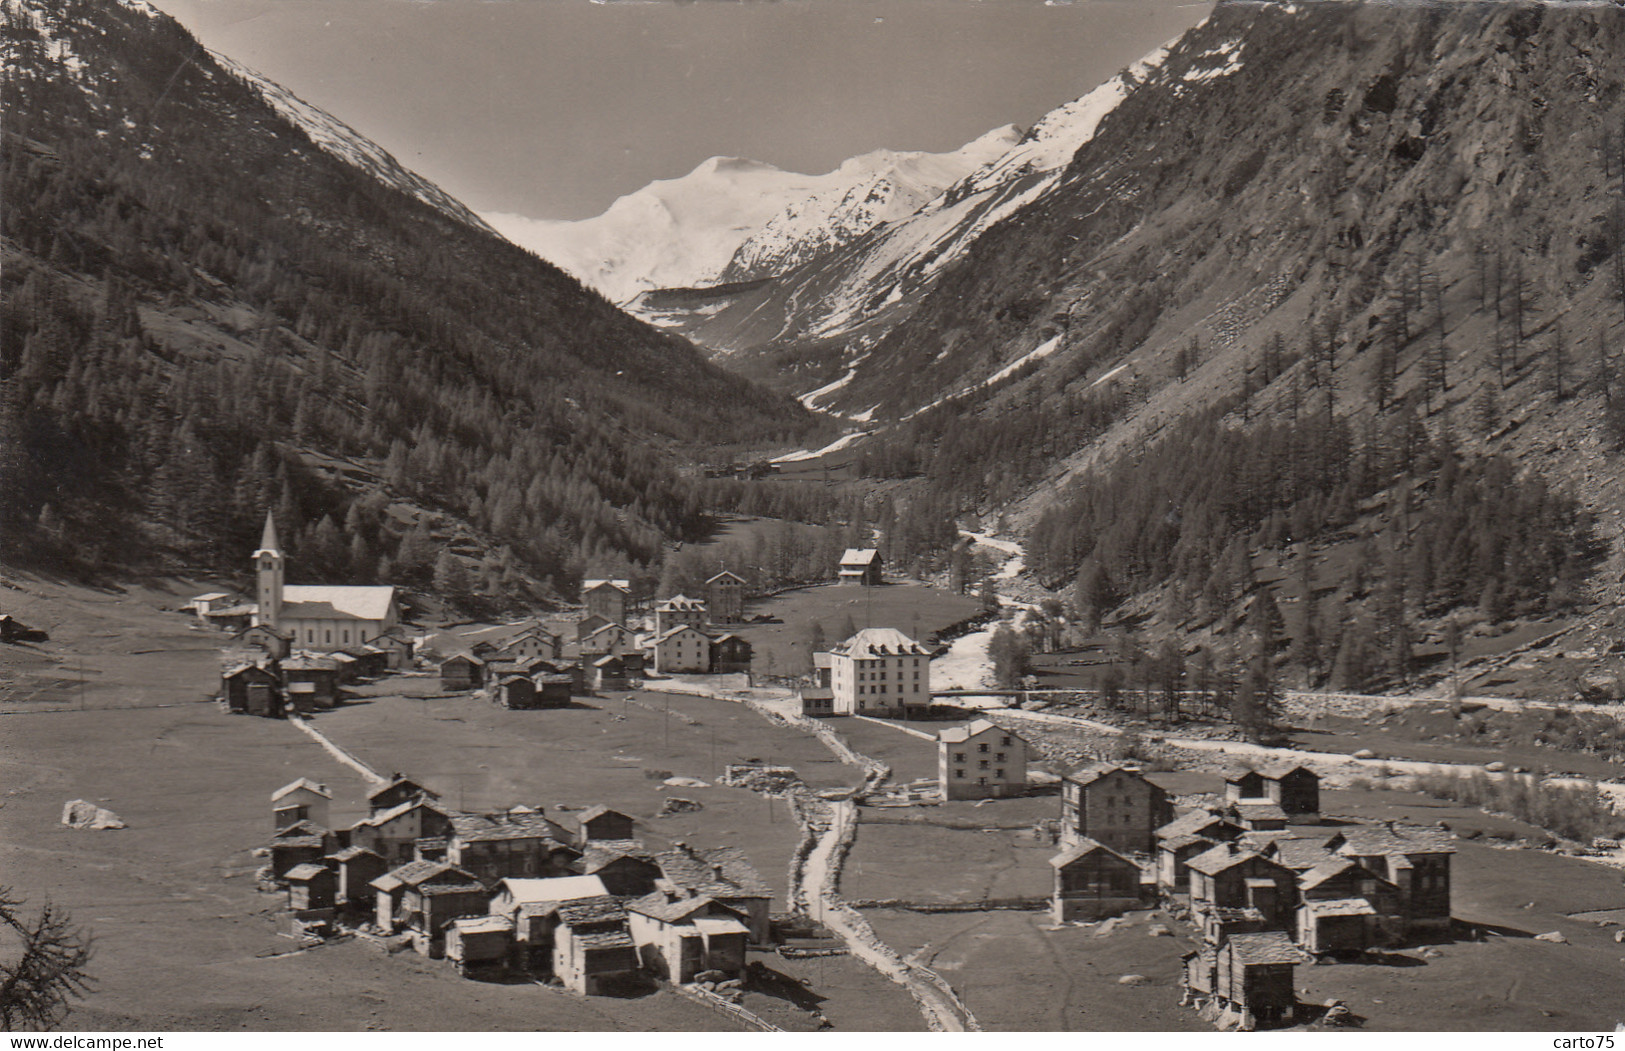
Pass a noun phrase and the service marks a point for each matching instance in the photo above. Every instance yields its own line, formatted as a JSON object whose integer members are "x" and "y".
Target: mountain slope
{"x": 733, "y": 219}
{"x": 207, "y": 313}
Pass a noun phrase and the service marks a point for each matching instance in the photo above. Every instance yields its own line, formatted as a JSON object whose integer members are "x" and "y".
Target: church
{"x": 317, "y": 616}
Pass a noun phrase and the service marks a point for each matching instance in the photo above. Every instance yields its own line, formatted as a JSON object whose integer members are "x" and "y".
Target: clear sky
{"x": 553, "y": 108}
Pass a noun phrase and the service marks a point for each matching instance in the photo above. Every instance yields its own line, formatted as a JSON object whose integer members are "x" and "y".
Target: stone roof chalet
{"x": 1191, "y": 823}
{"x": 293, "y": 786}
{"x": 1221, "y": 858}
{"x": 1372, "y": 840}
{"x": 1262, "y": 948}
{"x": 1082, "y": 849}
{"x": 420, "y": 875}
{"x": 720, "y": 873}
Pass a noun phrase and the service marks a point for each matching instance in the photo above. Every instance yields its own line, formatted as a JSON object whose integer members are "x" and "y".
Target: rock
{"x": 1134, "y": 979}
{"x": 678, "y": 805}
{"x": 1365, "y": 753}
{"x": 711, "y": 976}
{"x": 1495, "y": 767}
{"x": 1600, "y": 684}
{"x": 1431, "y": 953}
{"x": 79, "y": 814}
{"x": 1338, "y": 1014}
{"x": 685, "y": 782}
{"x": 1619, "y": 936}
{"x": 1157, "y": 930}
{"x": 1552, "y": 936}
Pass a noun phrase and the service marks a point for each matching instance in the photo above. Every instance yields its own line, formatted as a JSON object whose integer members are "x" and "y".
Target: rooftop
{"x": 561, "y": 888}
{"x": 1369, "y": 840}
{"x": 303, "y": 601}
{"x": 603, "y": 908}
{"x": 1083, "y": 849}
{"x": 961, "y": 734}
{"x": 1266, "y": 947}
{"x": 880, "y": 642}
{"x": 722, "y": 873}
{"x": 859, "y": 556}
{"x": 294, "y": 786}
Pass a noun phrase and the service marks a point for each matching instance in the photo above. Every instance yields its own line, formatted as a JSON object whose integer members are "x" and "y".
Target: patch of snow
{"x": 1109, "y": 374}
{"x": 812, "y": 454}
{"x": 831, "y": 387}
{"x": 1043, "y": 350}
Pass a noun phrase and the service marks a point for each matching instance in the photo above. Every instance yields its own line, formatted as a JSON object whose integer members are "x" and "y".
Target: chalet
{"x": 253, "y": 689}
{"x": 201, "y": 605}
{"x": 678, "y": 938}
{"x": 1295, "y": 789}
{"x": 532, "y": 906}
{"x": 1230, "y": 877}
{"x": 503, "y": 846}
{"x": 683, "y": 649}
{"x": 817, "y": 702}
{"x": 479, "y": 943}
{"x": 727, "y": 598}
{"x": 1248, "y": 975}
{"x": 396, "y": 646}
{"x": 626, "y": 870}
{"x": 1346, "y": 908}
{"x": 423, "y": 897}
{"x": 356, "y": 868}
{"x": 860, "y": 566}
{"x": 633, "y": 660}
{"x": 516, "y": 691}
{"x": 611, "y": 638}
{"x": 679, "y": 610}
{"x": 301, "y": 800}
{"x": 591, "y": 623}
{"x": 537, "y": 642}
{"x": 399, "y": 789}
{"x": 348, "y": 666}
{"x": 601, "y": 823}
{"x": 1113, "y": 805}
{"x": 607, "y": 598}
{"x": 310, "y": 886}
{"x": 1185, "y": 837}
{"x": 725, "y": 875}
{"x": 1415, "y": 860}
{"x": 393, "y": 833}
{"x": 233, "y": 618}
{"x": 592, "y": 946}
{"x": 1298, "y": 853}
{"x": 461, "y": 671}
{"x": 730, "y": 655}
{"x": 321, "y": 672}
{"x": 981, "y": 760}
{"x": 266, "y": 638}
{"x": 1093, "y": 882}
{"x": 608, "y": 673}
{"x": 317, "y": 615}
{"x": 880, "y": 671}
{"x": 371, "y": 661}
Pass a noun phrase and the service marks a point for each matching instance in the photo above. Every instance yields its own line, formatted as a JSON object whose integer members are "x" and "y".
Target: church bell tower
{"x": 268, "y": 577}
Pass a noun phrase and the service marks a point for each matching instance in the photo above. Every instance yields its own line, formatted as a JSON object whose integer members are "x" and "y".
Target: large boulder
{"x": 1600, "y": 684}
{"x": 79, "y": 814}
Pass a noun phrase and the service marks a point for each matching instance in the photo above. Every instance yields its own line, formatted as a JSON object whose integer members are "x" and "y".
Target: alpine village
{"x": 1170, "y": 579}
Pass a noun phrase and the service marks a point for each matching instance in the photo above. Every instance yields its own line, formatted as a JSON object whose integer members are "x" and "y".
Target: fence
{"x": 732, "y": 1010}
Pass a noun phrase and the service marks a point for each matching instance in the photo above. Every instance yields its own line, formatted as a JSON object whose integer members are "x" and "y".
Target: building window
{"x": 999, "y": 756}
{"x": 982, "y": 765}
{"x": 959, "y": 773}
{"x": 981, "y": 748}
{"x": 959, "y": 757}
{"x": 329, "y": 634}
{"x": 1004, "y": 742}
{"x": 999, "y": 774}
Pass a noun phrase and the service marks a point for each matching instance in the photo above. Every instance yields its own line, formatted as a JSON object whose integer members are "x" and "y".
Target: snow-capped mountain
{"x": 344, "y": 142}
{"x": 879, "y": 187}
{"x": 734, "y": 219}
{"x": 854, "y": 291}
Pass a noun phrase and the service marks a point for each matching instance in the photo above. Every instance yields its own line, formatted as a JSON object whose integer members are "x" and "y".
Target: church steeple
{"x": 268, "y": 577}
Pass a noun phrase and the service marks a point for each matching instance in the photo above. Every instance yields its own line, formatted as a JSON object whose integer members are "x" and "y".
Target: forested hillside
{"x": 205, "y": 315}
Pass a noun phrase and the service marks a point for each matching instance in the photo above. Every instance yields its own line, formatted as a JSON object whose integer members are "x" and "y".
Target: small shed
{"x": 311, "y": 886}
{"x": 1254, "y": 978}
{"x": 517, "y": 691}
{"x": 321, "y": 672}
{"x": 601, "y": 823}
{"x": 302, "y": 698}
{"x": 818, "y": 702}
{"x": 252, "y": 688}
{"x": 479, "y": 943}
{"x": 553, "y": 691}
{"x": 356, "y": 867}
{"x": 461, "y": 671}
{"x": 608, "y": 673}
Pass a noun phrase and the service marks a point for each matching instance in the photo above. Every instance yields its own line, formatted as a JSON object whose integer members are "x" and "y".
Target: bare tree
{"x": 48, "y": 967}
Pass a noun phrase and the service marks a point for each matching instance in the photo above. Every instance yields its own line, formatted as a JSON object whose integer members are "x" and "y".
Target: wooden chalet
{"x": 1113, "y": 805}
{"x": 479, "y": 944}
{"x": 322, "y": 673}
{"x": 1414, "y": 859}
{"x": 626, "y": 869}
{"x": 273, "y": 643}
{"x": 252, "y": 689}
{"x": 311, "y": 886}
{"x": 599, "y": 823}
{"x": 1345, "y": 907}
{"x": 421, "y": 898}
{"x": 608, "y": 673}
{"x": 516, "y": 691}
{"x": 393, "y": 834}
{"x": 1184, "y": 838}
{"x": 300, "y": 800}
{"x": 1232, "y": 876}
{"x": 1247, "y": 977}
{"x": 399, "y": 789}
{"x": 299, "y": 844}
{"x": 1294, "y": 789}
{"x": 730, "y": 655}
{"x": 726, "y": 592}
{"x": 462, "y": 671}
{"x": 356, "y": 868}
{"x": 1093, "y": 882}
{"x": 860, "y": 566}
{"x": 725, "y": 875}
{"x": 501, "y": 846}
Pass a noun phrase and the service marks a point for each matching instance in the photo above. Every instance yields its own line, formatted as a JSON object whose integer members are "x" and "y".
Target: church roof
{"x": 323, "y": 602}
